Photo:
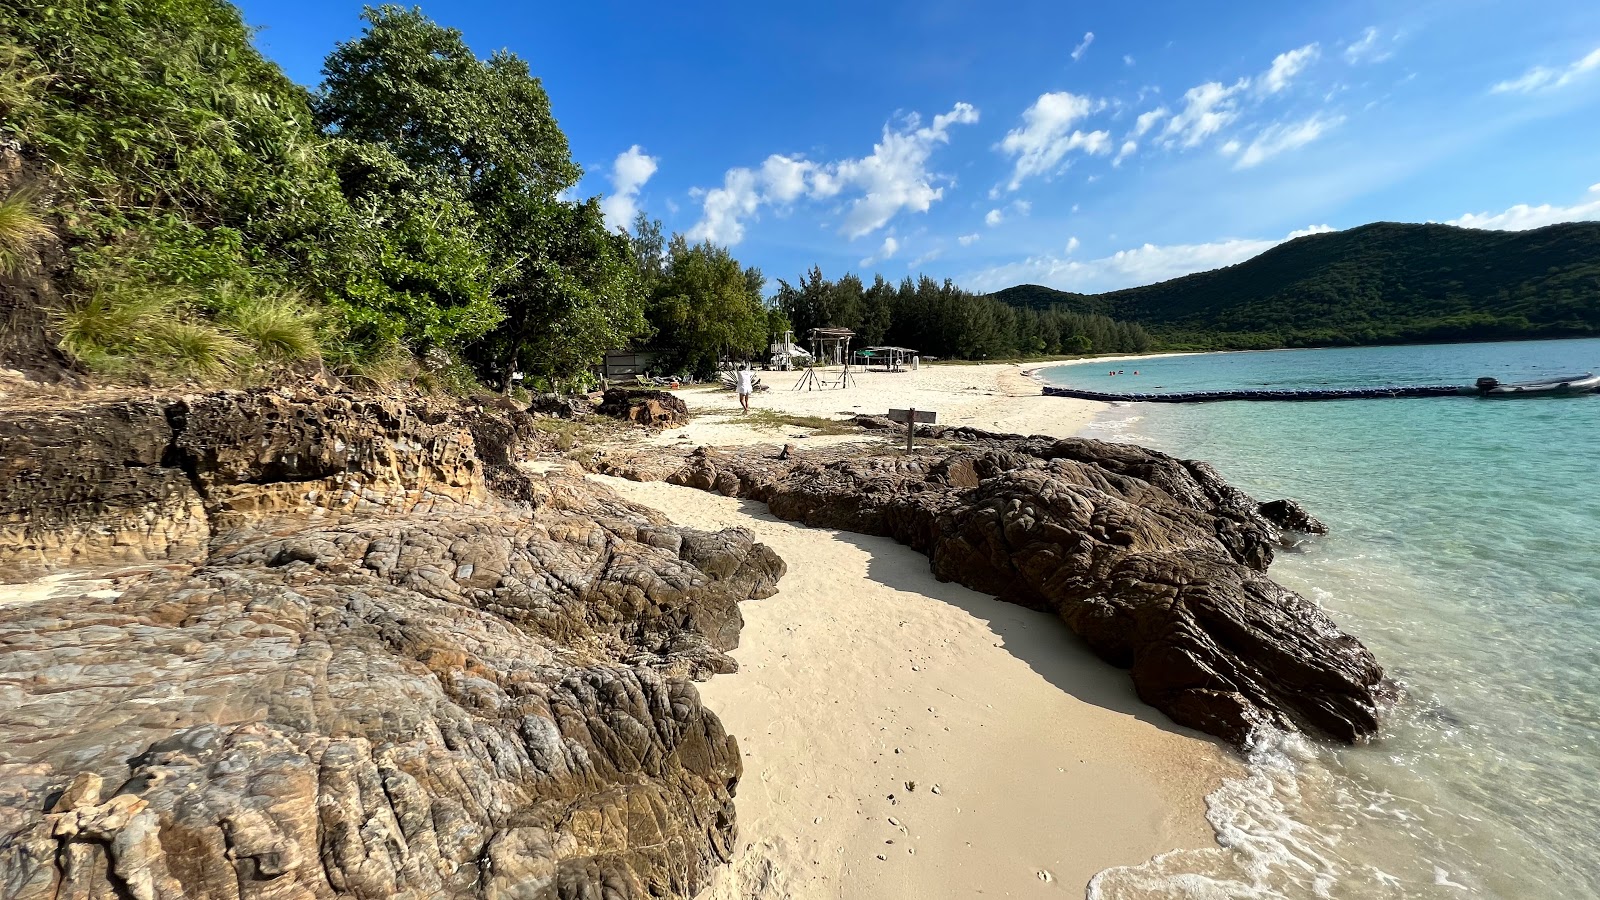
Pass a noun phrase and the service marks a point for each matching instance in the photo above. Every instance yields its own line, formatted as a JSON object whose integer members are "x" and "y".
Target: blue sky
{"x": 999, "y": 143}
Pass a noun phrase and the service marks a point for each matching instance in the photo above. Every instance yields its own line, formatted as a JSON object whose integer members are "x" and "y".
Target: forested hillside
{"x": 1380, "y": 283}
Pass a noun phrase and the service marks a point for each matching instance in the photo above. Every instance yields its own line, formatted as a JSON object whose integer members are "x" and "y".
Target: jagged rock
{"x": 654, "y": 409}
{"x": 560, "y": 406}
{"x": 380, "y": 681}
{"x": 1292, "y": 517}
{"x": 1156, "y": 562}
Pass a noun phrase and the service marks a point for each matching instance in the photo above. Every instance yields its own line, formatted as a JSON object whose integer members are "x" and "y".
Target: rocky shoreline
{"x": 345, "y": 646}
{"x": 1158, "y": 563}
{"x": 324, "y": 659}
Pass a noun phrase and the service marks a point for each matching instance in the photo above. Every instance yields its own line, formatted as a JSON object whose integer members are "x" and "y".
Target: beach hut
{"x": 889, "y": 359}
{"x": 829, "y": 347}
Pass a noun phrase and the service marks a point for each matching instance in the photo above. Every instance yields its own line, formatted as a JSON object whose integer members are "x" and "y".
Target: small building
{"x": 627, "y": 363}
{"x": 889, "y": 359}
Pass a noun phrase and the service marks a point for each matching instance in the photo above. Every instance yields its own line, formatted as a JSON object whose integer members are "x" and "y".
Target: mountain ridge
{"x": 1383, "y": 282}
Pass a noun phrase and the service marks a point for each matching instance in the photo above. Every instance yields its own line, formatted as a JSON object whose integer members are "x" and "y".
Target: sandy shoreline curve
{"x": 906, "y": 738}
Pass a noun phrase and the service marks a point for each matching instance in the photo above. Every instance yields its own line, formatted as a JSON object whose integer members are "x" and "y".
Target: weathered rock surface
{"x": 1156, "y": 562}
{"x": 344, "y": 669}
{"x": 655, "y": 409}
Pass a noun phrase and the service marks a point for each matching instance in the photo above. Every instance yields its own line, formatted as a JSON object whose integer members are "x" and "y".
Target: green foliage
{"x": 21, "y": 226}
{"x": 706, "y": 307}
{"x": 576, "y": 296}
{"x": 280, "y": 329}
{"x": 133, "y": 329}
{"x": 414, "y": 88}
{"x": 942, "y": 320}
{"x": 460, "y": 160}
{"x": 1377, "y": 284}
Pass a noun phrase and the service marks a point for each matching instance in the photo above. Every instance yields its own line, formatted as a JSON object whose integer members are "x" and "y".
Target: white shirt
{"x": 743, "y": 381}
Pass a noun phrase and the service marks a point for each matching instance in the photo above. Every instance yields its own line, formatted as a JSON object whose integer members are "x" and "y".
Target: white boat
{"x": 1562, "y": 385}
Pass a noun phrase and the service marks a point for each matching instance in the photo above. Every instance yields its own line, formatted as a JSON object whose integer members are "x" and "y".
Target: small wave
{"x": 1294, "y": 827}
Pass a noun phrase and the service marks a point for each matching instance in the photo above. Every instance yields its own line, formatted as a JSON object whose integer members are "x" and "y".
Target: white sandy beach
{"x": 1034, "y": 765}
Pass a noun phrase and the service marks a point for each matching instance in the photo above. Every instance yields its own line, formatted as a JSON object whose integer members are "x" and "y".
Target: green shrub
{"x": 279, "y": 329}
{"x": 21, "y": 226}
{"x": 196, "y": 350}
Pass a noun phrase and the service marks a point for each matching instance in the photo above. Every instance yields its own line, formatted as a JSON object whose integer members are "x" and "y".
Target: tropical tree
{"x": 707, "y": 305}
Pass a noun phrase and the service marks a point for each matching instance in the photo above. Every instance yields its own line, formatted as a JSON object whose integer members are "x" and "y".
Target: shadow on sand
{"x": 1039, "y": 639}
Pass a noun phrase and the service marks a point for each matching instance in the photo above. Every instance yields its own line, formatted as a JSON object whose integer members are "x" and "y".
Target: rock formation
{"x": 1157, "y": 563}
{"x": 655, "y": 409}
{"x": 324, "y": 655}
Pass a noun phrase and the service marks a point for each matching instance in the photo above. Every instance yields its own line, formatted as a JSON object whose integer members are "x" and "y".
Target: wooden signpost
{"x": 912, "y": 418}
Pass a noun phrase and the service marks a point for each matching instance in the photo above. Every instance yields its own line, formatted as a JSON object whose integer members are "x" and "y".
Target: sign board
{"x": 904, "y": 416}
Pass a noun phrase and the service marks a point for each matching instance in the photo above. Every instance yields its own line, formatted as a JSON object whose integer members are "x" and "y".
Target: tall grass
{"x": 21, "y": 226}
{"x": 128, "y": 327}
{"x": 280, "y": 328}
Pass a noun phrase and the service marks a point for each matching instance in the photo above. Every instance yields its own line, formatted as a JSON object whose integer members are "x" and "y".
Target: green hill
{"x": 1382, "y": 283}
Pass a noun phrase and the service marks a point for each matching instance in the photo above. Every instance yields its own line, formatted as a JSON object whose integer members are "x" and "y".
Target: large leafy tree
{"x": 576, "y": 296}
{"x": 707, "y": 306}
{"x": 481, "y": 132}
{"x": 414, "y": 87}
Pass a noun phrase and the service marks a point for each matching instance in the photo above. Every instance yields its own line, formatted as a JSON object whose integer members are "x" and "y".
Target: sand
{"x": 904, "y": 738}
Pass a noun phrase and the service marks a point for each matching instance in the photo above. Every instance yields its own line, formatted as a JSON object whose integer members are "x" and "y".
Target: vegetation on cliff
{"x": 1380, "y": 283}
{"x": 410, "y": 216}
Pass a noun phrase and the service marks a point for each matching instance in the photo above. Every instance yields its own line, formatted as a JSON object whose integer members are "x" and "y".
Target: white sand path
{"x": 865, "y": 673}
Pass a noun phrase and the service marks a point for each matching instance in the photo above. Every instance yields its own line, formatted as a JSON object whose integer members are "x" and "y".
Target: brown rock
{"x": 1156, "y": 562}
{"x": 653, "y": 409}
{"x": 381, "y": 681}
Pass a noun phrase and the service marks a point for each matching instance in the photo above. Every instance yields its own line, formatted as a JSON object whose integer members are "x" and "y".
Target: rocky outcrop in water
{"x": 1158, "y": 563}
{"x": 318, "y": 657}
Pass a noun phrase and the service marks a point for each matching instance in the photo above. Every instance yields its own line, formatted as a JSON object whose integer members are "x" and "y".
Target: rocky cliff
{"x": 1157, "y": 563}
{"x": 303, "y": 645}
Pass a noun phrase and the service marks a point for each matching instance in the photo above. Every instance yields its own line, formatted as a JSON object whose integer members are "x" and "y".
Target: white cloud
{"x": 1365, "y": 49}
{"x": 1072, "y": 244}
{"x": 1047, "y": 135}
{"x": 1023, "y": 207}
{"x": 784, "y": 177}
{"x": 887, "y": 250}
{"x": 1285, "y": 66}
{"x": 629, "y": 171}
{"x": 1280, "y": 138}
{"x": 1540, "y": 78}
{"x": 993, "y": 218}
{"x": 1523, "y": 217}
{"x": 930, "y": 256}
{"x": 894, "y": 178}
{"x": 967, "y": 240}
{"x": 1126, "y": 268}
{"x": 725, "y": 208}
{"x": 1230, "y": 148}
{"x": 1207, "y": 108}
{"x": 1078, "y": 51}
{"x": 1127, "y": 60}
{"x": 1128, "y": 149}
{"x": 1148, "y": 120}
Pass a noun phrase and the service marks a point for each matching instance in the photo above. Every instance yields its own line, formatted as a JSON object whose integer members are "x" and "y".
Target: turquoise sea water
{"x": 1463, "y": 553}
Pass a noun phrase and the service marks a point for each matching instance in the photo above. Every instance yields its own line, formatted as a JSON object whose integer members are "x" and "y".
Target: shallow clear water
{"x": 1463, "y": 554}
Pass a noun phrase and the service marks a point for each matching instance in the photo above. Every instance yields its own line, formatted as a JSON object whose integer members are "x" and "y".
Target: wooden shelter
{"x": 829, "y": 347}
{"x": 890, "y": 359}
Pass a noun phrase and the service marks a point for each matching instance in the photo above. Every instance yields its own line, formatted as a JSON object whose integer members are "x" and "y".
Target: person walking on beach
{"x": 743, "y": 384}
